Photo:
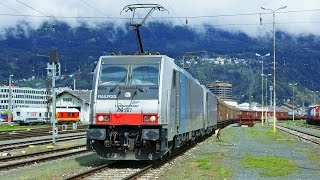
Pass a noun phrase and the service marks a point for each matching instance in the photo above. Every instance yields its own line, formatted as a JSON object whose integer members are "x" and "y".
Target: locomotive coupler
{"x": 113, "y": 139}
{"x": 129, "y": 141}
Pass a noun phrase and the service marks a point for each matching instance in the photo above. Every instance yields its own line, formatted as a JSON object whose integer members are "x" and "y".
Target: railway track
{"x": 27, "y": 142}
{"x": 309, "y": 126}
{"x": 36, "y": 132}
{"x": 315, "y": 139}
{"x": 113, "y": 171}
{"x": 132, "y": 169}
{"x": 20, "y": 160}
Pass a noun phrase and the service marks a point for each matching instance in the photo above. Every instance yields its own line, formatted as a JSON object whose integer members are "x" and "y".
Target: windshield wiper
{"x": 117, "y": 85}
{"x": 140, "y": 88}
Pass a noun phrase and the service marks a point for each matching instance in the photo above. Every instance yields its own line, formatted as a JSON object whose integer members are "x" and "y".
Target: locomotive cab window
{"x": 144, "y": 75}
{"x": 113, "y": 75}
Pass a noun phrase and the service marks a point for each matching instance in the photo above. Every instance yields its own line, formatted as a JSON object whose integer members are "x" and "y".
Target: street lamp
{"x": 313, "y": 97}
{"x": 274, "y": 64}
{"x": 10, "y": 103}
{"x": 266, "y": 76}
{"x": 292, "y": 98}
{"x": 262, "y": 103}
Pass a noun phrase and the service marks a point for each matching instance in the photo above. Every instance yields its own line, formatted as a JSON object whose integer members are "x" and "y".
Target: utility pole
{"x": 10, "y": 100}
{"x": 262, "y": 74}
{"x": 274, "y": 63}
{"x": 53, "y": 70}
{"x": 292, "y": 99}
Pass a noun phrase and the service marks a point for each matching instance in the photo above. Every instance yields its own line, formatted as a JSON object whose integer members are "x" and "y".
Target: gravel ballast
{"x": 225, "y": 159}
{"x": 210, "y": 159}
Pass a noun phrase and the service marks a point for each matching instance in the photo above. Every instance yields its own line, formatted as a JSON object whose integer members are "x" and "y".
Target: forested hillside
{"x": 22, "y": 52}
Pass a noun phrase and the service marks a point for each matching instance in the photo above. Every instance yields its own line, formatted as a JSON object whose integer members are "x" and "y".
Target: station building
{"x": 25, "y": 97}
{"x": 79, "y": 99}
{"x": 22, "y": 97}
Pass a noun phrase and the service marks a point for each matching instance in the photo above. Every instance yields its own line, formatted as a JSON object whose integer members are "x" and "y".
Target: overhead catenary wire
{"x": 167, "y": 17}
{"x": 187, "y": 18}
{"x": 100, "y": 17}
{"x": 180, "y": 19}
{"x": 32, "y": 8}
{"x": 10, "y": 7}
{"x": 93, "y": 7}
{"x": 45, "y": 15}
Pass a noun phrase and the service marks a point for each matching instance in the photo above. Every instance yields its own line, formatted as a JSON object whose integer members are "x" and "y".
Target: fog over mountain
{"x": 300, "y": 17}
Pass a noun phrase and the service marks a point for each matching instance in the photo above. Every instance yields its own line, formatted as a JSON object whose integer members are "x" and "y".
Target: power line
{"x": 167, "y": 17}
{"x": 10, "y": 8}
{"x": 98, "y": 17}
{"x": 61, "y": 17}
{"x": 98, "y": 11}
{"x": 32, "y": 8}
{"x": 175, "y": 13}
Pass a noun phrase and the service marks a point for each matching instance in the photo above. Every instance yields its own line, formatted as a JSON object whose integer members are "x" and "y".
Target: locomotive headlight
{"x": 146, "y": 118}
{"x": 152, "y": 118}
{"x": 100, "y": 118}
{"x": 107, "y": 118}
{"x": 103, "y": 118}
{"x": 149, "y": 118}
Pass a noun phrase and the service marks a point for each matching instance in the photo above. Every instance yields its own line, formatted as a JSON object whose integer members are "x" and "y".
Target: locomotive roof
{"x": 141, "y": 58}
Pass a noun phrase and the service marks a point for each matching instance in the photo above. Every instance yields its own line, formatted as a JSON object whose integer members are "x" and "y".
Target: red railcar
{"x": 248, "y": 117}
{"x": 67, "y": 115}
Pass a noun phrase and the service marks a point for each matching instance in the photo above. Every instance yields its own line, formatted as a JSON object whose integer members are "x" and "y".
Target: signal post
{"x": 53, "y": 71}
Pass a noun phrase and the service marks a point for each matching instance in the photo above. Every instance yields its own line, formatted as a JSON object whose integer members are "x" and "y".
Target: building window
{"x": 67, "y": 99}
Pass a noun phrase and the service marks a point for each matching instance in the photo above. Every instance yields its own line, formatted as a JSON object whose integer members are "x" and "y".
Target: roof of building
{"x": 288, "y": 106}
{"x": 220, "y": 84}
{"x": 83, "y": 95}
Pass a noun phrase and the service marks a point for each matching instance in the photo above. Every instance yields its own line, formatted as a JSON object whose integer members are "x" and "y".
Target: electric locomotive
{"x": 144, "y": 106}
{"x": 313, "y": 115}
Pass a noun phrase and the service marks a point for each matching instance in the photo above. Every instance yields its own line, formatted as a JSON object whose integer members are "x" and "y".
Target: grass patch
{"x": 203, "y": 167}
{"x": 6, "y": 127}
{"x": 268, "y": 136}
{"x": 222, "y": 172}
{"x": 228, "y": 134}
{"x": 55, "y": 169}
{"x": 270, "y": 166}
{"x": 204, "y": 164}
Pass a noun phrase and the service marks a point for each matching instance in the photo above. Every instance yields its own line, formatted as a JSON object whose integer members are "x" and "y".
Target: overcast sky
{"x": 244, "y": 15}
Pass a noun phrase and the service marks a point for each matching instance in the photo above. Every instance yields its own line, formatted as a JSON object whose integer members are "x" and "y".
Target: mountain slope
{"x": 297, "y": 58}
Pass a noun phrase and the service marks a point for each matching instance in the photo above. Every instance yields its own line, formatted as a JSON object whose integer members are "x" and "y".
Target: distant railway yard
{"x": 241, "y": 152}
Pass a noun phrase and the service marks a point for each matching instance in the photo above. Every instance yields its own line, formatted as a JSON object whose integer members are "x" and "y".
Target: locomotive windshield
{"x": 113, "y": 75}
{"x": 142, "y": 75}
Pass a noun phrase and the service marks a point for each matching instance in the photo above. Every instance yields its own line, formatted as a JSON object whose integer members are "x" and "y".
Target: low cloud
{"x": 232, "y": 15}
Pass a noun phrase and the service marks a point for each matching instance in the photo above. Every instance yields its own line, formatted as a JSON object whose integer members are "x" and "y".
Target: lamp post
{"x": 274, "y": 64}
{"x": 314, "y": 97}
{"x": 266, "y": 76}
{"x": 292, "y": 98}
{"x": 10, "y": 100}
{"x": 262, "y": 102}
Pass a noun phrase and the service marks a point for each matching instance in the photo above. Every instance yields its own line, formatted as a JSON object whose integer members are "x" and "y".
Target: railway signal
{"x": 53, "y": 71}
